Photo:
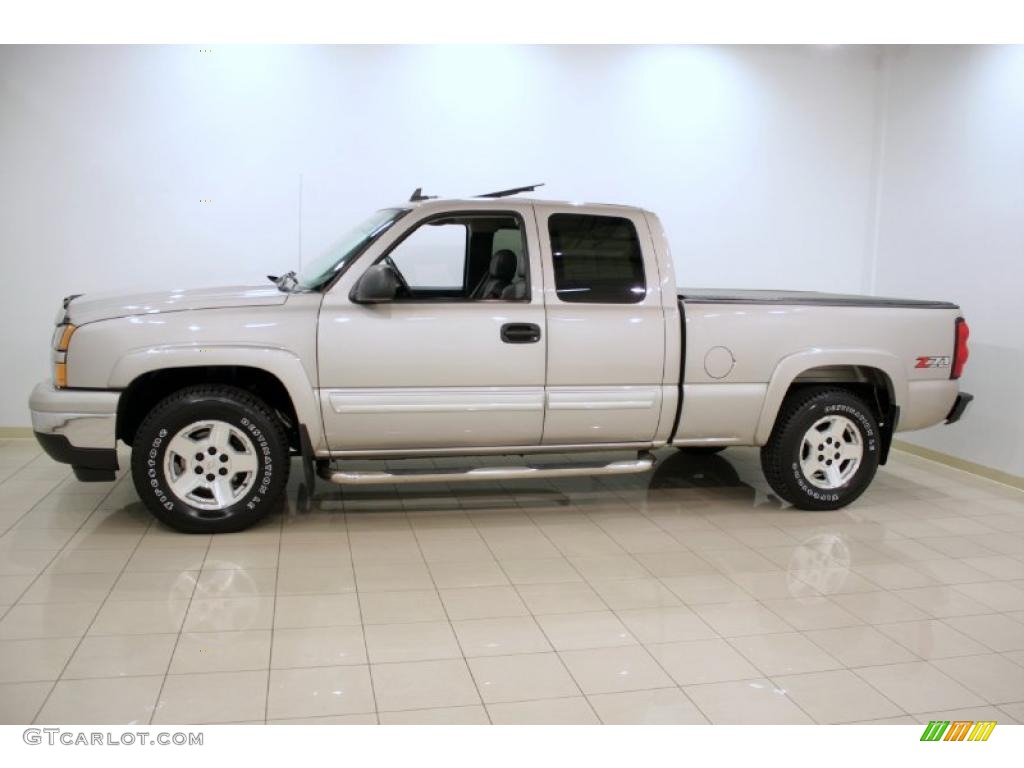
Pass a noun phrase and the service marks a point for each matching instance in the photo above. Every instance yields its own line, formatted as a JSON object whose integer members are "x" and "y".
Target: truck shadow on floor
{"x": 715, "y": 476}
{"x": 681, "y": 470}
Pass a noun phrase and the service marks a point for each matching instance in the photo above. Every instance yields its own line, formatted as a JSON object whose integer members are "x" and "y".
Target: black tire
{"x": 238, "y": 409}
{"x": 780, "y": 456}
{"x": 700, "y": 450}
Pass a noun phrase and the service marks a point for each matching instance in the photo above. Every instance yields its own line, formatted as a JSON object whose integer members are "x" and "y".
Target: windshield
{"x": 322, "y": 268}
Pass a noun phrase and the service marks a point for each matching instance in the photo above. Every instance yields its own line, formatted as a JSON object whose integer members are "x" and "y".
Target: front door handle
{"x": 520, "y": 333}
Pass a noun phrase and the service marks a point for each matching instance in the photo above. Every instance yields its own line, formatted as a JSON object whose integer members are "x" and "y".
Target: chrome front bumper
{"x": 77, "y": 427}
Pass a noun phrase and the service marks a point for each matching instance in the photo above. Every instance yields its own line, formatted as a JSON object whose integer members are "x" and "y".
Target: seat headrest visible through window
{"x": 504, "y": 265}
{"x": 520, "y": 266}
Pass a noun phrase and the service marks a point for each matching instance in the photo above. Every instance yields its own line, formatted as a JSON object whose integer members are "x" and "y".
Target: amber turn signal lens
{"x": 60, "y": 375}
{"x": 65, "y": 338}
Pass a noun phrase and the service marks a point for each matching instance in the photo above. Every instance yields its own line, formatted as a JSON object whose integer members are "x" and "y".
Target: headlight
{"x": 61, "y": 339}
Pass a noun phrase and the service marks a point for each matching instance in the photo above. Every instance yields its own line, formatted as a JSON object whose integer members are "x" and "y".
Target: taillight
{"x": 960, "y": 351}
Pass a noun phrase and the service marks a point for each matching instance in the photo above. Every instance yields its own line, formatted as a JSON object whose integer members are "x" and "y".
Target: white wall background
{"x": 773, "y": 166}
{"x": 952, "y": 224}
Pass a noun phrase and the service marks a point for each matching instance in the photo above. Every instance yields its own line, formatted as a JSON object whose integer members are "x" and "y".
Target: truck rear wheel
{"x": 823, "y": 451}
{"x": 210, "y": 459}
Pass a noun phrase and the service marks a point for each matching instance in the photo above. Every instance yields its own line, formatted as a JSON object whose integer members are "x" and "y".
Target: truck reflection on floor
{"x": 707, "y": 486}
{"x": 819, "y": 565}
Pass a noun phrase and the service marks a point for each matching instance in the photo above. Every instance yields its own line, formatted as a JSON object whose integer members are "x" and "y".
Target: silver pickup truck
{"x": 489, "y": 326}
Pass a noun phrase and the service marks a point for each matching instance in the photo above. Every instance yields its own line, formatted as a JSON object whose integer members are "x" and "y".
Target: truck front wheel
{"x": 823, "y": 451}
{"x": 210, "y": 459}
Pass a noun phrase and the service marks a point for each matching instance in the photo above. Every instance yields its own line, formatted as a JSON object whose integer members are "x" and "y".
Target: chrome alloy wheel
{"x": 831, "y": 452}
{"x": 210, "y": 464}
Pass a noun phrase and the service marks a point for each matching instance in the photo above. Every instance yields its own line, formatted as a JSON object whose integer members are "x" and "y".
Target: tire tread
{"x": 773, "y": 462}
{"x": 239, "y": 396}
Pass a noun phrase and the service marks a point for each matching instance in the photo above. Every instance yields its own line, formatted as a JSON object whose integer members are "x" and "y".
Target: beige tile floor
{"x": 686, "y": 596}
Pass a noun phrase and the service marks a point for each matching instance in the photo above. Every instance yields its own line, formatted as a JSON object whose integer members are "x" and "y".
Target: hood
{"x": 90, "y": 307}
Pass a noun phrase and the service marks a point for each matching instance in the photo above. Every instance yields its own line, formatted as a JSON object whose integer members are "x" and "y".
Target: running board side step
{"x": 643, "y": 463}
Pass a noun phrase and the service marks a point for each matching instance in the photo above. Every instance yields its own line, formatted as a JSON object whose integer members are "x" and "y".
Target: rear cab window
{"x": 597, "y": 259}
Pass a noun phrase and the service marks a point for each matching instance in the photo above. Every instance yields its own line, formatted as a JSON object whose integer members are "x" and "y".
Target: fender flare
{"x": 790, "y": 367}
{"x": 283, "y": 364}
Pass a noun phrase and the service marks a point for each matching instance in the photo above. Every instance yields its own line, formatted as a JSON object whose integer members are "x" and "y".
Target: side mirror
{"x": 378, "y": 284}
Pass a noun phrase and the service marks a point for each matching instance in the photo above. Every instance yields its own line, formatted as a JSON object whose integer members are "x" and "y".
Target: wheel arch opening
{"x": 872, "y": 385}
{"x": 148, "y": 389}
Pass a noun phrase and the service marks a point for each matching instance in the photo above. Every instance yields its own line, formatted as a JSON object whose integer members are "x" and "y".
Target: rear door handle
{"x": 520, "y": 333}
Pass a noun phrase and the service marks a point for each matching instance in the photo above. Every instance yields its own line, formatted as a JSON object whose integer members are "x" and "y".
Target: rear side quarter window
{"x": 597, "y": 259}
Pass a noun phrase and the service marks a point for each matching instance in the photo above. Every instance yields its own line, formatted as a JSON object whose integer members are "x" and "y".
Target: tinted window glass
{"x": 596, "y": 259}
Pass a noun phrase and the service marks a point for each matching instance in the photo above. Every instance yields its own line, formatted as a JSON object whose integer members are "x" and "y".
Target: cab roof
{"x": 494, "y": 200}
{"x": 510, "y": 202}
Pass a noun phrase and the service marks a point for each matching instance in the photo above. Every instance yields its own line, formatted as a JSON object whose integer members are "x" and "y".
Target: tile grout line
{"x": 362, "y": 623}
{"x": 579, "y": 508}
{"x": 57, "y": 554}
{"x": 59, "y": 550}
{"x": 273, "y": 609}
{"x": 540, "y": 628}
{"x": 451, "y": 624}
{"x": 713, "y": 629}
{"x": 886, "y": 697}
{"x": 529, "y": 653}
{"x": 612, "y": 611}
{"x": 679, "y": 686}
{"x": 181, "y": 629}
{"x": 656, "y": 661}
{"x": 771, "y": 678}
{"x": 85, "y": 634}
{"x": 21, "y": 467}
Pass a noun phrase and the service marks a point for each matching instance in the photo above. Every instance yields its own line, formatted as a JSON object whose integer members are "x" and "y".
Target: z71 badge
{"x": 934, "y": 361}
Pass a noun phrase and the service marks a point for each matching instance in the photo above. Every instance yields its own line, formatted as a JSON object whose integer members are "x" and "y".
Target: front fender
{"x": 285, "y": 365}
{"x": 789, "y": 368}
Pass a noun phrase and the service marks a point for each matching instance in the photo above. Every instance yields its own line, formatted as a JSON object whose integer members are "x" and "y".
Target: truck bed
{"x": 813, "y": 298}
